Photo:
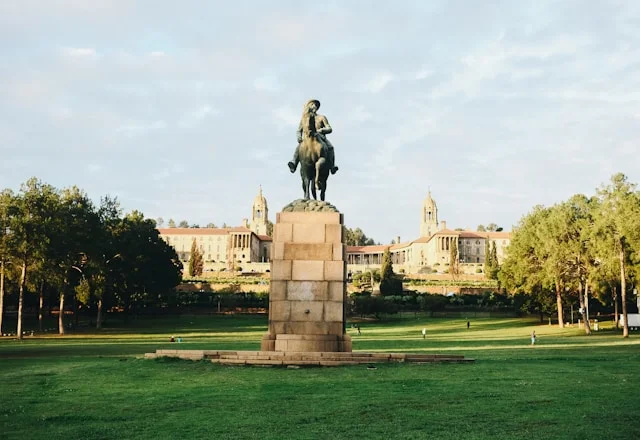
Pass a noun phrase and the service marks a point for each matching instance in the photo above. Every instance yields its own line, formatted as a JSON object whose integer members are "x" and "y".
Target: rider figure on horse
{"x": 322, "y": 129}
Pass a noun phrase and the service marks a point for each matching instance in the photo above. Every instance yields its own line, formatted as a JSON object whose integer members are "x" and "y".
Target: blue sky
{"x": 183, "y": 109}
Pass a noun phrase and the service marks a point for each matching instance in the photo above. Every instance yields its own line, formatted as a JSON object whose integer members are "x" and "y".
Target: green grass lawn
{"x": 92, "y": 385}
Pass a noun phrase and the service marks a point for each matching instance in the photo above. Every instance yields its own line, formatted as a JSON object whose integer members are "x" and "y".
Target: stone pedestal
{"x": 308, "y": 291}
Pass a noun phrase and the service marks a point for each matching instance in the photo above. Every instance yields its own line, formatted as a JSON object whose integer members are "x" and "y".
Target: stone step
{"x": 229, "y": 357}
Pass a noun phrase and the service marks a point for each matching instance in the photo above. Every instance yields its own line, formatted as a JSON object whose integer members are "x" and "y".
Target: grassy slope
{"x": 567, "y": 386}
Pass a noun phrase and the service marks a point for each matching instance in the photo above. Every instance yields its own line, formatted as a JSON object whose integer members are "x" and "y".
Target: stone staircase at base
{"x": 326, "y": 359}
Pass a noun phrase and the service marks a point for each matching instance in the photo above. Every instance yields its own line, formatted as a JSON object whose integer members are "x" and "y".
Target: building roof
{"x": 461, "y": 234}
{"x": 265, "y": 238}
{"x": 367, "y": 249}
{"x": 479, "y": 234}
{"x": 201, "y": 231}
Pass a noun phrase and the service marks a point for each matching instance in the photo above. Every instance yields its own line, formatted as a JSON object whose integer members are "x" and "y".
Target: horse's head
{"x": 308, "y": 121}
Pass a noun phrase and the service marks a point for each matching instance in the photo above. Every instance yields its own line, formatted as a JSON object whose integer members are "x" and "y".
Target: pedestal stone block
{"x": 306, "y": 299}
{"x": 281, "y": 270}
{"x": 334, "y": 270}
{"x": 308, "y": 233}
{"x": 308, "y": 251}
{"x": 306, "y": 270}
{"x": 307, "y": 290}
{"x": 336, "y": 291}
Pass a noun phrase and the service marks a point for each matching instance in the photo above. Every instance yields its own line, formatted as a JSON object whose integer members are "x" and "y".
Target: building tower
{"x": 429, "y": 217}
{"x": 259, "y": 214}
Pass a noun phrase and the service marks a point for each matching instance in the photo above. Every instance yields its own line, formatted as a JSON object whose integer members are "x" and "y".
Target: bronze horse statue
{"x": 314, "y": 167}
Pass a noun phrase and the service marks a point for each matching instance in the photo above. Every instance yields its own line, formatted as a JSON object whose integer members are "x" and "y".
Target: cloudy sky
{"x": 183, "y": 109}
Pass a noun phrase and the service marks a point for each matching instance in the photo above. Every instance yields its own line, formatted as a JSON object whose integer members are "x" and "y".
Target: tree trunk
{"x": 615, "y": 304}
{"x": 623, "y": 294}
{"x": 23, "y": 284}
{"x": 559, "y": 305}
{"x": 1, "y": 293}
{"x": 61, "y": 314}
{"x": 583, "y": 309}
{"x": 99, "y": 317}
{"x": 75, "y": 309}
{"x": 41, "y": 308}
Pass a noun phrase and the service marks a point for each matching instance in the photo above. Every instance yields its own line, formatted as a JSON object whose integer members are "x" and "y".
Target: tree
{"x": 454, "y": 259}
{"x": 269, "y": 228}
{"x": 7, "y": 204}
{"x": 102, "y": 276}
{"x": 481, "y": 228}
{"x": 487, "y": 257}
{"x": 355, "y": 237}
{"x": 494, "y": 266}
{"x": 211, "y": 225}
{"x": 196, "y": 262}
{"x": 523, "y": 269}
{"x": 31, "y": 229}
{"x": 172, "y": 223}
{"x": 74, "y": 243}
{"x": 390, "y": 283}
{"x": 492, "y": 227}
{"x": 159, "y": 222}
{"x": 618, "y": 223}
{"x": 148, "y": 266}
{"x": 183, "y": 224}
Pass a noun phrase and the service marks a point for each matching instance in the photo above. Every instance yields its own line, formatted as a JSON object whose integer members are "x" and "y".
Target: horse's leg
{"x": 313, "y": 190}
{"x": 305, "y": 184}
{"x": 319, "y": 163}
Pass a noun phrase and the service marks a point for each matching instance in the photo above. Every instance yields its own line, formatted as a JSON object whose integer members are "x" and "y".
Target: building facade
{"x": 248, "y": 247}
{"x": 432, "y": 250}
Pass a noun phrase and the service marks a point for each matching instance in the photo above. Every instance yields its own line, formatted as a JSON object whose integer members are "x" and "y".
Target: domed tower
{"x": 429, "y": 217}
{"x": 259, "y": 214}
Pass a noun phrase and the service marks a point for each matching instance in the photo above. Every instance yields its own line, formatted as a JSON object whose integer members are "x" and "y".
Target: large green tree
{"x": 31, "y": 230}
{"x": 7, "y": 201}
{"x": 617, "y": 223}
{"x": 524, "y": 269}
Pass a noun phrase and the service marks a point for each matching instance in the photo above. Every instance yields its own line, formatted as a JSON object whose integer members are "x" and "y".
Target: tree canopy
{"x": 582, "y": 245}
{"x": 57, "y": 241}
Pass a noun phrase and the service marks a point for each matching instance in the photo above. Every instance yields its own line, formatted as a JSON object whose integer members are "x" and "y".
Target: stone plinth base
{"x": 297, "y": 343}
{"x": 302, "y": 358}
{"x": 307, "y": 292}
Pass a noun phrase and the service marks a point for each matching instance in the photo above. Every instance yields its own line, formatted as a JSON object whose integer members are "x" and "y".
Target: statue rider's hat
{"x": 315, "y": 101}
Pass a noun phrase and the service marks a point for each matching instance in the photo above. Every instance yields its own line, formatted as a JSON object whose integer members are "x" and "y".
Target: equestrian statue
{"x": 314, "y": 151}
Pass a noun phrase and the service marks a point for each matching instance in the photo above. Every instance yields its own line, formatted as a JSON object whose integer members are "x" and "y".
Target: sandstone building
{"x": 248, "y": 247}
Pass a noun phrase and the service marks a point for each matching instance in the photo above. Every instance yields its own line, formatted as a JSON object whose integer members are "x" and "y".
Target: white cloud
{"x": 79, "y": 52}
{"x": 267, "y": 83}
{"x": 198, "y": 115}
{"x": 423, "y": 73}
{"x": 141, "y": 128}
{"x": 359, "y": 114}
{"x": 377, "y": 83}
{"x": 286, "y": 117}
